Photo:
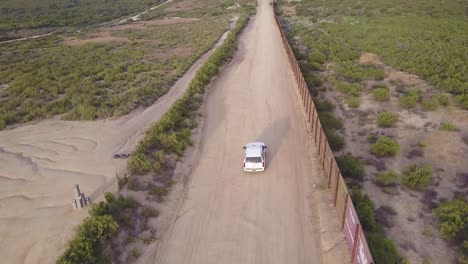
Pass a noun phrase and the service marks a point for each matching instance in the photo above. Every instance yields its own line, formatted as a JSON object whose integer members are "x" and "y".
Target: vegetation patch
{"x": 410, "y": 99}
{"x": 387, "y": 178}
{"x": 381, "y": 94}
{"x": 417, "y": 177}
{"x": 387, "y": 119}
{"x": 351, "y": 167}
{"x": 446, "y": 126}
{"x": 453, "y": 218}
{"x": 385, "y": 147}
{"x": 45, "y": 77}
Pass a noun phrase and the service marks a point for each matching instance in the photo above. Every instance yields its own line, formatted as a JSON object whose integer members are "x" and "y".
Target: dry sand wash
{"x": 228, "y": 216}
{"x": 39, "y": 163}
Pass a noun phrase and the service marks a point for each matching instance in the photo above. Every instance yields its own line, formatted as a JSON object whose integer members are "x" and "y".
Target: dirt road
{"x": 229, "y": 216}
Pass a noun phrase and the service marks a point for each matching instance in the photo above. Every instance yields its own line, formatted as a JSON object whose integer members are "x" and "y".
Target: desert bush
{"x": 353, "y": 102}
{"x": 453, "y": 218}
{"x": 446, "y": 126}
{"x": 350, "y": 166}
{"x": 384, "y": 250}
{"x": 429, "y": 104}
{"x": 350, "y": 89}
{"x": 328, "y": 121}
{"x": 384, "y": 147}
{"x": 387, "y": 119}
{"x": 86, "y": 246}
{"x": 410, "y": 99}
{"x": 335, "y": 140}
{"x": 442, "y": 99}
{"x": 160, "y": 192}
{"x": 132, "y": 184}
{"x": 381, "y": 94}
{"x": 149, "y": 211}
{"x": 323, "y": 105}
{"x": 139, "y": 164}
{"x": 365, "y": 209}
{"x": 134, "y": 254}
{"x": 387, "y": 178}
{"x": 417, "y": 177}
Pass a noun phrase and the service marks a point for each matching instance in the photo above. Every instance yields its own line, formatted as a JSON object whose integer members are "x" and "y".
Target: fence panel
{"x": 351, "y": 226}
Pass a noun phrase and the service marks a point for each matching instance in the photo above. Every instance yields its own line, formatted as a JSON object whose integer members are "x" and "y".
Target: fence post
{"x": 337, "y": 185}
{"x": 330, "y": 173}
{"x": 316, "y": 127}
{"x": 356, "y": 242}
{"x": 312, "y": 120}
{"x": 344, "y": 211}
{"x": 320, "y": 142}
{"x": 324, "y": 152}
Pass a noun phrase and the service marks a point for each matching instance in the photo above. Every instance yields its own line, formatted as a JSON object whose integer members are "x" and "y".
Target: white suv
{"x": 255, "y": 156}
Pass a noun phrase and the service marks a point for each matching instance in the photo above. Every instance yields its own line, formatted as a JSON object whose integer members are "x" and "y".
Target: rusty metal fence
{"x": 350, "y": 224}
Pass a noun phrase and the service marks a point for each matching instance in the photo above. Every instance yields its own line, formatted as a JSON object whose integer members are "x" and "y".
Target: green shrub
{"x": 415, "y": 176}
{"x": 387, "y": 119}
{"x": 453, "y": 217}
{"x": 350, "y": 89}
{"x": 383, "y": 250}
{"x": 86, "y": 246}
{"x": 353, "y": 102}
{"x": 132, "y": 184}
{"x": 134, "y": 254}
{"x": 329, "y": 121}
{"x": 335, "y": 140}
{"x": 381, "y": 94}
{"x": 160, "y": 192}
{"x": 387, "y": 178}
{"x": 446, "y": 126}
{"x": 410, "y": 99}
{"x": 139, "y": 164}
{"x": 442, "y": 99}
{"x": 365, "y": 210}
{"x": 3, "y": 124}
{"x": 429, "y": 104}
{"x": 323, "y": 105}
{"x": 149, "y": 211}
{"x": 384, "y": 147}
{"x": 351, "y": 166}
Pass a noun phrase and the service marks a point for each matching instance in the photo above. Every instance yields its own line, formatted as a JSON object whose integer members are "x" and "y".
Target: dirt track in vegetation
{"x": 226, "y": 215}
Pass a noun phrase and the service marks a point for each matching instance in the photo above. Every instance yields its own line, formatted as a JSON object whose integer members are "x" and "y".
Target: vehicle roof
{"x": 254, "y": 149}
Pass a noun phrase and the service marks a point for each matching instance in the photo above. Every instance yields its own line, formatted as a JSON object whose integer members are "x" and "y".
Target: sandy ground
{"x": 39, "y": 163}
{"x": 228, "y": 216}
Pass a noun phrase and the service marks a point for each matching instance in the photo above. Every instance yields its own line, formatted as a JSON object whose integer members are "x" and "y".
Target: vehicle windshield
{"x": 253, "y": 159}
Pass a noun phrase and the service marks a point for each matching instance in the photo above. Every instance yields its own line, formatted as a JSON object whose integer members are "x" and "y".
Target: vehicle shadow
{"x": 273, "y": 136}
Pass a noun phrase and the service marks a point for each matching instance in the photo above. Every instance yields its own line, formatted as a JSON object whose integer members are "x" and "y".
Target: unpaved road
{"x": 228, "y": 216}
{"x": 39, "y": 163}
